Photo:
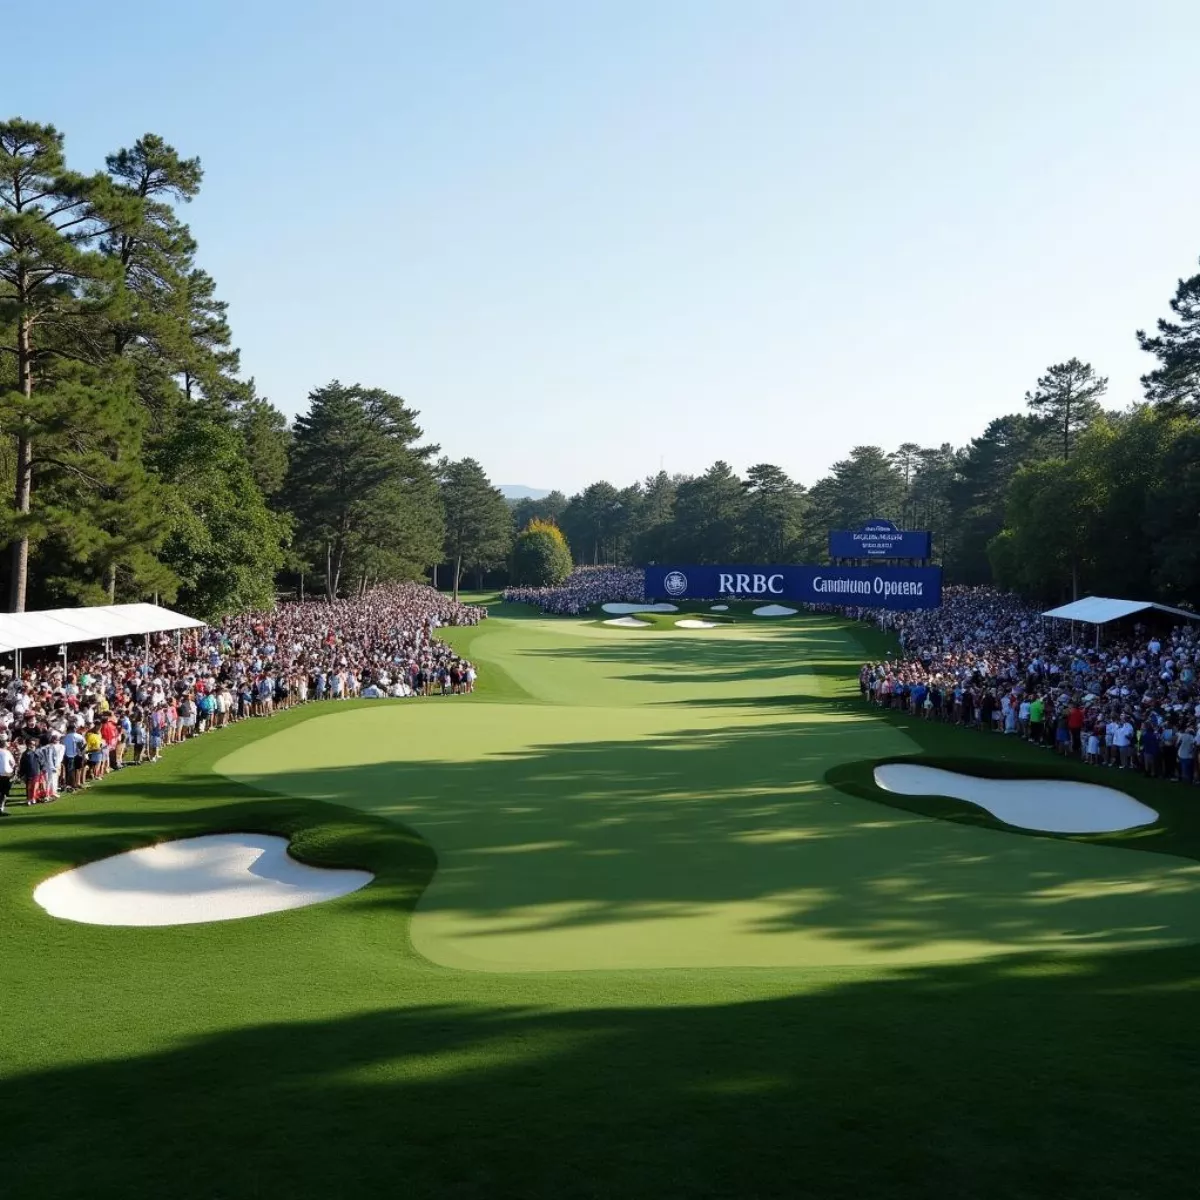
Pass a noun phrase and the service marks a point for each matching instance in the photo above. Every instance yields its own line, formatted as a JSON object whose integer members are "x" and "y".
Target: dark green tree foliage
{"x": 362, "y": 489}
{"x": 548, "y": 508}
{"x": 709, "y": 516}
{"x": 72, "y": 416}
{"x": 906, "y": 458}
{"x": 1122, "y": 514}
{"x": 866, "y": 485}
{"x": 596, "y": 523}
{"x": 541, "y": 556}
{"x": 978, "y": 492}
{"x": 1067, "y": 400}
{"x": 773, "y": 517}
{"x": 652, "y": 538}
{"x": 224, "y": 546}
{"x": 1175, "y": 383}
{"x": 930, "y": 490}
{"x": 478, "y": 521}
{"x": 266, "y": 439}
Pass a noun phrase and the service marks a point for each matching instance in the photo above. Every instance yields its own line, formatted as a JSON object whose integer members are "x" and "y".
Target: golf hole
{"x": 218, "y": 877}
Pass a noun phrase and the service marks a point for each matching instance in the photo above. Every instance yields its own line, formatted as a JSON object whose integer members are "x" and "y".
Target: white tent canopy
{"x": 1099, "y": 610}
{"x": 62, "y": 626}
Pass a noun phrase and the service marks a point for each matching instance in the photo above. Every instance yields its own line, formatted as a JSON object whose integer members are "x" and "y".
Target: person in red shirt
{"x": 1075, "y": 719}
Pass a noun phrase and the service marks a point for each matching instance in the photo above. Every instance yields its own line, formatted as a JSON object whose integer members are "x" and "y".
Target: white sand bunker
{"x": 636, "y": 608}
{"x": 695, "y": 623}
{"x": 218, "y": 877}
{"x": 719, "y": 608}
{"x": 775, "y": 610}
{"x": 628, "y": 622}
{"x": 1049, "y": 805}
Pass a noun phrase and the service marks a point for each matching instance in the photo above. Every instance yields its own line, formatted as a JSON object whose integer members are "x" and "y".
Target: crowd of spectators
{"x": 987, "y": 660}
{"x": 582, "y": 589}
{"x": 63, "y": 725}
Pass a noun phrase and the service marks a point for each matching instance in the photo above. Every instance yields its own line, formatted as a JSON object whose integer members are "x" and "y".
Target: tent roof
{"x": 1099, "y": 610}
{"x": 56, "y": 626}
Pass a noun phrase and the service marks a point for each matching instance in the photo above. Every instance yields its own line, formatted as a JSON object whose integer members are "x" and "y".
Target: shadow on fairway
{"x": 587, "y": 834}
{"x": 989, "y": 1082}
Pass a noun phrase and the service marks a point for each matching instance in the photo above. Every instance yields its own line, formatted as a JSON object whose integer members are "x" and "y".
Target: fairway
{"x": 656, "y": 798}
{"x": 624, "y": 938}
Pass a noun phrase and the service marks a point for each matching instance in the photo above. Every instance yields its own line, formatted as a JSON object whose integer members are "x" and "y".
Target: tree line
{"x": 137, "y": 461}
{"x": 1060, "y": 498}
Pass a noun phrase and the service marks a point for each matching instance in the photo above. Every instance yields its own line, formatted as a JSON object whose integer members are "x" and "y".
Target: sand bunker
{"x": 719, "y": 608}
{"x": 218, "y": 877}
{"x": 775, "y": 610}
{"x": 1049, "y": 805}
{"x": 628, "y": 622}
{"x": 636, "y": 608}
{"x": 694, "y": 623}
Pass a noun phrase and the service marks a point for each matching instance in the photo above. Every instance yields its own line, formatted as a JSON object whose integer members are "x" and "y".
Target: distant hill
{"x": 518, "y": 491}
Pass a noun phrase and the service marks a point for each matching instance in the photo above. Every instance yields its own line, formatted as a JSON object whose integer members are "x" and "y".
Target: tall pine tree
{"x": 478, "y": 521}
{"x": 361, "y": 487}
{"x": 70, "y": 413}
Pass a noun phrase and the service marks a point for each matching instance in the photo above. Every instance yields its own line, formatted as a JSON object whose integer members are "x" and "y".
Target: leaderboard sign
{"x": 880, "y": 539}
{"x": 873, "y": 587}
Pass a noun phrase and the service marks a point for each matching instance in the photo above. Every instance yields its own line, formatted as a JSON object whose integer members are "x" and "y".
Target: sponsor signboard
{"x": 872, "y": 587}
{"x": 880, "y": 539}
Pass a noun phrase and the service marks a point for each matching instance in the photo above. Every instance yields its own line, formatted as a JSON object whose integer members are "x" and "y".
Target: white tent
{"x": 62, "y": 626}
{"x": 1099, "y": 610}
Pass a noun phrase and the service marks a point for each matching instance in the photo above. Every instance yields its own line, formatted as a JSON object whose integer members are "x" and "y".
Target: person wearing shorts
{"x": 73, "y": 749}
{"x": 94, "y": 753}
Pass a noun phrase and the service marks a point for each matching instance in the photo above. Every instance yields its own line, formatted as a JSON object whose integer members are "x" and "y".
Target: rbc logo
{"x": 675, "y": 583}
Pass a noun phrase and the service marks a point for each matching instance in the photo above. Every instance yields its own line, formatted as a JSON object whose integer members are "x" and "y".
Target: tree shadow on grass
{"x": 1069, "y": 1082}
{"x": 685, "y": 825}
{"x": 681, "y": 825}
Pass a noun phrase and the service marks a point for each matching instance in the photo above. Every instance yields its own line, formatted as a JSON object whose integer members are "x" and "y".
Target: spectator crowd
{"x": 64, "y": 725}
{"x": 583, "y": 588}
{"x": 986, "y": 660}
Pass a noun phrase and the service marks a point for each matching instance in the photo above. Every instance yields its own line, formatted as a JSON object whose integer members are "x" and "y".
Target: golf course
{"x": 639, "y": 922}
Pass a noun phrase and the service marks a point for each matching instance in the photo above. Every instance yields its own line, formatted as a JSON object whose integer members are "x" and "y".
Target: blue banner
{"x": 872, "y": 587}
{"x": 880, "y": 539}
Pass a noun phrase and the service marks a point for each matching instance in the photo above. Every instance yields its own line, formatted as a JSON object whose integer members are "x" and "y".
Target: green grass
{"x": 714, "y": 959}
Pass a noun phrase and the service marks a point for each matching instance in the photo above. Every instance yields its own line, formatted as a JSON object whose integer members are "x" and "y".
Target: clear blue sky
{"x": 586, "y": 236}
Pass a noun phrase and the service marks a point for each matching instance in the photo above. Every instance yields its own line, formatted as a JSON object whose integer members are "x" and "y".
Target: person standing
{"x": 73, "y": 750}
{"x": 8, "y": 767}
{"x": 1186, "y": 751}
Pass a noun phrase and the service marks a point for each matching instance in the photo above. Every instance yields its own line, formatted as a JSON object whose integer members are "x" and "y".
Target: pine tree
{"x": 1068, "y": 400}
{"x": 1176, "y": 382}
{"x": 478, "y": 524}
{"x": 709, "y": 514}
{"x": 59, "y": 293}
{"x": 773, "y": 517}
{"x": 361, "y": 489}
